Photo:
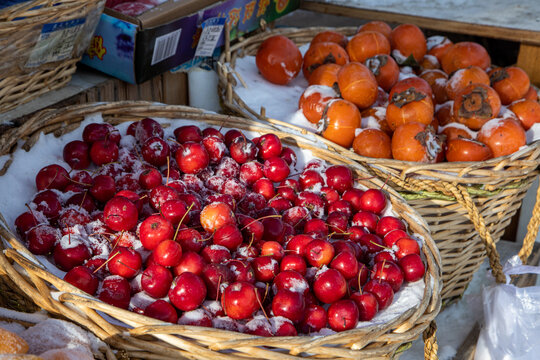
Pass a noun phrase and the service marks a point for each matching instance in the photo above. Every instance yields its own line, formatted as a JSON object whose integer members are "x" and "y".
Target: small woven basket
{"x": 467, "y": 205}
{"x": 175, "y": 341}
{"x": 21, "y": 30}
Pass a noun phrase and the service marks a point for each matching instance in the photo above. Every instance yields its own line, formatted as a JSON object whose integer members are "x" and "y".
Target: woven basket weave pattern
{"x": 20, "y": 29}
{"x": 496, "y": 186}
{"x": 375, "y": 342}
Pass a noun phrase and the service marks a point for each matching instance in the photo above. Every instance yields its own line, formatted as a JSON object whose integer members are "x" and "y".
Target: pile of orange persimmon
{"x": 392, "y": 93}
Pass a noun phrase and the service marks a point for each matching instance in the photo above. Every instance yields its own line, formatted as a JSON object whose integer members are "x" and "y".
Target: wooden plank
{"x": 175, "y": 88}
{"x": 528, "y": 60}
{"x": 448, "y": 25}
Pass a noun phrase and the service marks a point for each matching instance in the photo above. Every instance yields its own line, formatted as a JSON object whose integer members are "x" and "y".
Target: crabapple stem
{"x": 260, "y": 304}
{"x": 182, "y": 219}
{"x": 105, "y": 263}
{"x": 261, "y": 218}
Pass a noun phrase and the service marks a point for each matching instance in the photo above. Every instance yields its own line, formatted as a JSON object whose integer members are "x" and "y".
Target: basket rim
{"x": 480, "y": 172}
{"x": 20, "y": 254}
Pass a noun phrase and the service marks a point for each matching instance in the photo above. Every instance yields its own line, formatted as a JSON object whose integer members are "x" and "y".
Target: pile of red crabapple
{"x": 211, "y": 229}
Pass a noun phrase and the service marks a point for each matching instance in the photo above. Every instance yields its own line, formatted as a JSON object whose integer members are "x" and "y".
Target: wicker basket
{"x": 20, "y": 30}
{"x": 467, "y": 205}
{"x": 373, "y": 342}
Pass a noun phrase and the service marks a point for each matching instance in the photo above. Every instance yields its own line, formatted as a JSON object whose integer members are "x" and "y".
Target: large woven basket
{"x": 468, "y": 206}
{"x": 20, "y": 30}
{"x": 175, "y": 341}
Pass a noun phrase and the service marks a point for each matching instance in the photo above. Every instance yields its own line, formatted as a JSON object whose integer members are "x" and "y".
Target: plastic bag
{"x": 511, "y": 318}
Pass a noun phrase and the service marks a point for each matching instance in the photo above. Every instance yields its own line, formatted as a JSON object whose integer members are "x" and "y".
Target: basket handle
{"x": 430, "y": 342}
{"x": 532, "y": 230}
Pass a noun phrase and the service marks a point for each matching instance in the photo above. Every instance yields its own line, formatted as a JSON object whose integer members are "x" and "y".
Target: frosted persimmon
{"x": 330, "y": 36}
{"x": 503, "y": 136}
{"x": 375, "y": 117}
{"x": 456, "y": 130}
{"x": 385, "y": 69}
{"x": 323, "y": 53}
{"x": 314, "y": 100}
{"x": 408, "y": 40}
{"x": 416, "y": 142}
{"x": 475, "y": 105}
{"x": 465, "y": 54}
{"x": 340, "y": 120}
{"x": 367, "y": 44}
{"x": 511, "y": 83}
{"x": 527, "y": 111}
{"x": 357, "y": 84}
{"x": 373, "y": 143}
{"x": 437, "y": 81}
{"x": 464, "y": 77}
{"x": 379, "y": 26}
{"x": 461, "y": 149}
{"x": 438, "y": 45}
{"x": 325, "y": 75}
{"x": 278, "y": 59}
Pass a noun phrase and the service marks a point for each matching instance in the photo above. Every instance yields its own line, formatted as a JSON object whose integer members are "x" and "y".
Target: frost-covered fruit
{"x": 125, "y": 262}
{"x": 216, "y": 215}
{"x": 276, "y": 169}
{"x": 168, "y": 253}
{"x": 319, "y": 252}
{"x": 272, "y": 249}
{"x": 343, "y": 315}
{"x": 330, "y": 286}
{"x": 387, "y": 224}
{"x": 242, "y": 270}
{"x": 293, "y": 262}
{"x": 100, "y": 131}
{"x": 103, "y": 188}
{"x": 104, "y": 152}
{"x": 116, "y": 291}
{"x": 26, "y": 221}
{"x": 291, "y": 280}
{"x": 242, "y": 150}
{"x": 289, "y": 304}
{"x": 83, "y": 278}
{"x": 365, "y": 219}
{"x": 120, "y": 214}
{"x": 155, "y": 151}
{"x": 155, "y": 229}
{"x": 150, "y": 178}
{"x": 339, "y": 177}
{"x": 77, "y": 154}
{"x": 145, "y": 129}
{"x": 68, "y": 254}
{"x": 346, "y": 263}
{"x": 215, "y": 275}
{"x": 229, "y": 236}
{"x": 297, "y": 244}
{"x": 52, "y": 177}
{"x": 240, "y": 300}
{"x": 196, "y": 317}
{"x": 192, "y": 158}
{"x": 215, "y": 254}
{"x": 189, "y": 262}
{"x": 156, "y": 281}
{"x": 160, "y": 194}
{"x": 373, "y": 200}
{"x": 315, "y": 318}
{"x": 187, "y": 292}
{"x": 406, "y": 246}
{"x": 269, "y": 145}
{"x": 215, "y": 147}
{"x": 187, "y": 133}
{"x": 190, "y": 239}
{"x": 161, "y": 310}
{"x": 265, "y": 268}
{"x": 42, "y": 238}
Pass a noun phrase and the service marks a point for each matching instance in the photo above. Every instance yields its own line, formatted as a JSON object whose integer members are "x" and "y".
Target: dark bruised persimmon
{"x": 475, "y": 105}
{"x": 385, "y": 69}
{"x": 366, "y": 44}
{"x": 461, "y": 149}
{"x": 511, "y": 83}
{"x": 437, "y": 81}
{"x": 408, "y": 39}
{"x": 325, "y": 75}
{"x": 330, "y": 36}
{"x": 503, "y": 136}
{"x": 416, "y": 142}
{"x": 462, "y": 78}
{"x": 379, "y": 26}
{"x": 278, "y": 59}
{"x": 527, "y": 111}
{"x": 373, "y": 143}
{"x": 357, "y": 84}
{"x": 314, "y": 100}
{"x": 323, "y": 53}
{"x": 340, "y": 120}
{"x": 465, "y": 54}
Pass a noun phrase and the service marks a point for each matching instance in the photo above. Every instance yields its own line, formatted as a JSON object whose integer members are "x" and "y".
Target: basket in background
{"x": 32, "y": 63}
{"x": 380, "y": 341}
{"x": 467, "y": 205}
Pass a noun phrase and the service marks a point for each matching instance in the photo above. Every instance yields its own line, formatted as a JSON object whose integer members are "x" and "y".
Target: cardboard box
{"x": 137, "y": 49}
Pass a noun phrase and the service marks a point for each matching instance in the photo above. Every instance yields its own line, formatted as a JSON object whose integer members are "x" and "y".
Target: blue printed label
{"x": 55, "y": 42}
{"x": 211, "y": 32}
